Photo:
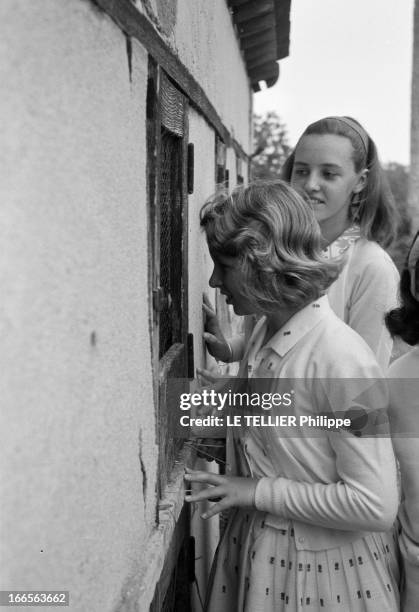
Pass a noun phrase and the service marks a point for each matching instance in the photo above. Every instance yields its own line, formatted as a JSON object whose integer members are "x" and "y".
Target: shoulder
{"x": 406, "y": 366}
{"x": 403, "y": 384}
{"x": 341, "y": 352}
{"x": 369, "y": 254}
{"x": 371, "y": 272}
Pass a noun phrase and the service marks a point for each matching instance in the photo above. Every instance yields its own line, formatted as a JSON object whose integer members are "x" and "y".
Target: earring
{"x": 354, "y": 208}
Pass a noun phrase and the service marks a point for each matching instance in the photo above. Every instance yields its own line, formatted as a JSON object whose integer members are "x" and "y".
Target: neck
{"x": 331, "y": 229}
{"x": 277, "y": 320}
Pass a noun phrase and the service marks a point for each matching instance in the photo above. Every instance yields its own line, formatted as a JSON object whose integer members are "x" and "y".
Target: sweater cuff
{"x": 270, "y": 495}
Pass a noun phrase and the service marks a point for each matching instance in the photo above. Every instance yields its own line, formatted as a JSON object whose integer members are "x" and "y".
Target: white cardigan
{"x": 333, "y": 486}
{"x": 364, "y": 292}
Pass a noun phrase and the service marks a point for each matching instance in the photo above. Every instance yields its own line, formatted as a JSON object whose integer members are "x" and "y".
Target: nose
{"x": 312, "y": 182}
{"x": 214, "y": 280}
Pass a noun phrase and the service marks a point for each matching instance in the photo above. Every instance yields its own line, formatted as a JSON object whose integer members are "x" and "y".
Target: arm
{"x": 365, "y": 498}
{"x": 404, "y": 418}
{"x": 373, "y": 293}
{"x": 363, "y": 495}
{"x": 408, "y": 455}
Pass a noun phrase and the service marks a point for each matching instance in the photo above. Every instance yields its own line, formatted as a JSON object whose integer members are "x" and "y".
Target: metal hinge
{"x": 190, "y": 356}
{"x": 191, "y": 167}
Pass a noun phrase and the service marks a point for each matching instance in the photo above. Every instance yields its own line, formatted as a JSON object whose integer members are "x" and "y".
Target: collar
{"x": 342, "y": 242}
{"x": 294, "y": 329}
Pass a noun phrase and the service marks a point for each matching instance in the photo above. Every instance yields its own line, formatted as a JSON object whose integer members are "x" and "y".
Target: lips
{"x": 314, "y": 201}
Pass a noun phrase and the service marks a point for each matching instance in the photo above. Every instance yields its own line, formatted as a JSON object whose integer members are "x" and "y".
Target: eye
{"x": 223, "y": 266}
{"x": 328, "y": 174}
{"x": 300, "y": 172}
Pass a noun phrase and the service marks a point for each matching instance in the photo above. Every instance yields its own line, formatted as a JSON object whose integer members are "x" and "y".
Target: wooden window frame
{"x": 164, "y": 104}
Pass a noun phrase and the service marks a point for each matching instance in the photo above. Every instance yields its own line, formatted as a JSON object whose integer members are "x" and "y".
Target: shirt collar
{"x": 297, "y": 326}
{"x": 342, "y": 242}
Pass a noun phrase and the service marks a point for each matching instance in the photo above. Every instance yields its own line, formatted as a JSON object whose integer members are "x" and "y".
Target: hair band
{"x": 356, "y": 128}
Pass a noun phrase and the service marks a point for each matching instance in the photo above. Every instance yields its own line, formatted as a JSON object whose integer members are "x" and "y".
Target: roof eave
{"x": 263, "y": 28}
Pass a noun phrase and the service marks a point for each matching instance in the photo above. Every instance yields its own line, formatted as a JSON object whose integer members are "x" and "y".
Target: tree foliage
{"x": 398, "y": 178}
{"x": 271, "y": 146}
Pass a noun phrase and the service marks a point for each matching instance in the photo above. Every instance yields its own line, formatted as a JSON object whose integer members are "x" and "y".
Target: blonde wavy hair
{"x": 276, "y": 237}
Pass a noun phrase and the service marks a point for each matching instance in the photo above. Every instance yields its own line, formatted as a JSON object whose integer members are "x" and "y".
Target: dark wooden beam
{"x": 256, "y": 25}
{"x": 254, "y": 40}
{"x": 254, "y": 9}
{"x": 268, "y": 72}
{"x": 136, "y": 25}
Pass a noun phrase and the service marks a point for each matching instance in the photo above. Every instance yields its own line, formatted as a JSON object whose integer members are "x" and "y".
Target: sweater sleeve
{"x": 364, "y": 495}
{"x": 373, "y": 293}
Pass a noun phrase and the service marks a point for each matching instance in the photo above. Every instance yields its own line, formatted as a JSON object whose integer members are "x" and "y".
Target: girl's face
{"x": 324, "y": 174}
{"x": 228, "y": 276}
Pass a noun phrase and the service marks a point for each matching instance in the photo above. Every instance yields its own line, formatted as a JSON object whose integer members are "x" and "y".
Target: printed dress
{"x": 308, "y": 545}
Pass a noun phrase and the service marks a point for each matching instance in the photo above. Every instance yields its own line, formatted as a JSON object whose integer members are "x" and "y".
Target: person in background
{"x": 335, "y": 167}
{"x": 403, "y": 322}
{"x": 308, "y": 509}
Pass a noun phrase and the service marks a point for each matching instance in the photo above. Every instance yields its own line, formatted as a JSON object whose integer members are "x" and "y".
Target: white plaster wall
{"x": 202, "y": 35}
{"x": 207, "y": 44}
{"x": 200, "y": 267}
{"x": 206, "y": 533}
{"x": 200, "y": 264}
{"x": 76, "y": 391}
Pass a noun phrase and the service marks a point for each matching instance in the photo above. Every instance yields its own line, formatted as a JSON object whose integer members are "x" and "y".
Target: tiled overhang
{"x": 263, "y": 28}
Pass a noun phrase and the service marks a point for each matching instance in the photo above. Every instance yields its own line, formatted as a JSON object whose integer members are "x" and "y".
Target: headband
{"x": 358, "y": 129}
{"x": 412, "y": 265}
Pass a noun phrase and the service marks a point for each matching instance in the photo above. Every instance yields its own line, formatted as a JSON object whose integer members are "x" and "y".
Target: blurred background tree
{"x": 271, "y": 147}
{"x": 398, "y": 178}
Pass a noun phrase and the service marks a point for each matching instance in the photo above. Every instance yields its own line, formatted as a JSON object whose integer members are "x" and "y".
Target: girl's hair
{"x": 375, "y": 206}
{"x": 275, "y": 235}
{"x": 404, "y": 321}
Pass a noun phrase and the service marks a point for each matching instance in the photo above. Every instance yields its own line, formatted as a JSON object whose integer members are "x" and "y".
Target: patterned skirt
{"x": 258, "y": 568}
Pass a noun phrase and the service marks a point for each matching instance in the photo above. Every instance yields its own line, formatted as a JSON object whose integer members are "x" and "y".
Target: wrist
{"x": 230, "y": 352}
{"x": 227, "y": 356}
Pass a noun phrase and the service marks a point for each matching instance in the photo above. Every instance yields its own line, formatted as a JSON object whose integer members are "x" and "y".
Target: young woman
{"x": 335, "y": 167}
{"x": 306, "y": 504}
{"x": 403, "y": 375}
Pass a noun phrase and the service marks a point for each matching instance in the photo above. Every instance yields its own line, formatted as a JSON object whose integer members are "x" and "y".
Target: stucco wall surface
{"x": 202, "y": 35}
{"x": 207, "y": 44}
{"x": 200, "y": 264}
{"x": 77, "y": 454}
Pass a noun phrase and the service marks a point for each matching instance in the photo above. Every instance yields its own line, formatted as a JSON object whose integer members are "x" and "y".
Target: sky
{"x": 348, "y": 57}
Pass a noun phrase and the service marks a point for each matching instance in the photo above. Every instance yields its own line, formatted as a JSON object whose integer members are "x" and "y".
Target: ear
{"x": 362, "y": 181}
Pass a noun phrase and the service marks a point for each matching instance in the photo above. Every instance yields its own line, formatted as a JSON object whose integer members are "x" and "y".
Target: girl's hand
{"x": 217, "y": 345}
{"x": 208, "y": 378}
{"x": 227, "y": 491}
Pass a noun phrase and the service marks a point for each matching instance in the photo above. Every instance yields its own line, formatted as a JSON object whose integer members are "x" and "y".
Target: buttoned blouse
{"x": 330, "y": 484}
